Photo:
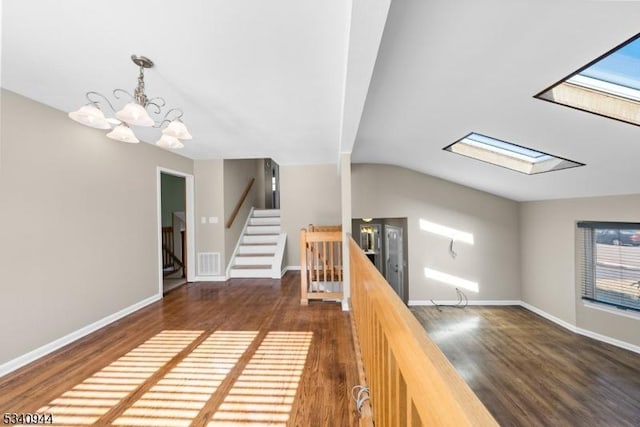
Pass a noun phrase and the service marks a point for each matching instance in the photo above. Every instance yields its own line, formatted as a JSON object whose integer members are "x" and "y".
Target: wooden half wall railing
{"x": 234, "y": 214}
{"x": 321, "y": 272}
{"x": 411, "y": 382}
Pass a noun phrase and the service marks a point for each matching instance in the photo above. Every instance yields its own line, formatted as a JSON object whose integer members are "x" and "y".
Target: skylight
{"x": 508, "y": 155}
{"x": 608, "y": 86}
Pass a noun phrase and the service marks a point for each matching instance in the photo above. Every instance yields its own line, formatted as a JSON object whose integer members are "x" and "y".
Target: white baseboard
{"x": 609, "y": 340}
{"x": 210, "y": 279}
{"x": 550, "y": 317}
{"x": 33, "y": 355}
{"x": 470, "y": 302}
{"x": 585, "y": 332}
{"x": 542, "y": 313}
{"x": 292, "y": 268}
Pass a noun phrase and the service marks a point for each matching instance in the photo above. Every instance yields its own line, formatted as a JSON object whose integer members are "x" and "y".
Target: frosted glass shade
{"x": 123, "y": 133}
{"x": 135, "y": 114}
{"x": 91, "y": 116}
{"x": 167, "y": 141}
{"x": 177, "y": 129}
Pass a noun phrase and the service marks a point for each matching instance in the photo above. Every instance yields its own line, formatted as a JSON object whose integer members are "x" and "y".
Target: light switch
{"x": 203, "y": 220}
{"x": 213, "y": 220}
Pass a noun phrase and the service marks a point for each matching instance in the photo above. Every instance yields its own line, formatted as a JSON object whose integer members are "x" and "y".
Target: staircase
{"x": 260, "y": 248}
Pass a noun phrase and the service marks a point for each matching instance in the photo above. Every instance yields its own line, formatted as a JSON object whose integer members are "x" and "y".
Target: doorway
{"x": 394, "y": 266}
{"x": 384, "y": 241}
{"x": 271, "y": 184}
{"x": 175, "y": 229}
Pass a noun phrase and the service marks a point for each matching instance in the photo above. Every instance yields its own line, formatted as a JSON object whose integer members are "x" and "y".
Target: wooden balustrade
{"x": 169, "y": 257}
{"x": 320, "y": 263}
{"x": 411, "y": 382}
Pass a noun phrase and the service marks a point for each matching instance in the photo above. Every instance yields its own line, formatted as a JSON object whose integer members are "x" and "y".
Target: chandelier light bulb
{"x": 123, "y": 133}
{"x": 91, "y": 116}
{"x": 135, "y": 114}
{"x": 177, "y": 129}
{"x": 170, "y": 142}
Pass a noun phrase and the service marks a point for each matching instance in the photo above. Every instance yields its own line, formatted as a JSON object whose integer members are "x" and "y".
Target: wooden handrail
{"x": 410, "y": 380}
{"x": 240, "y": 202}
{"x": 320, "y": 264}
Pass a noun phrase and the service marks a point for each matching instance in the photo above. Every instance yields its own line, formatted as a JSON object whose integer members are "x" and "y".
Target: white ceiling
{"x": 288, "y": 79}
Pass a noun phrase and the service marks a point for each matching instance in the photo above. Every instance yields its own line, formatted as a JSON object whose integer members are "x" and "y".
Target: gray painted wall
{"x": 237, "y": 175}
{"x": 381, "y": 191}
{"x": 80, "y": 232}
{"x": 548, "y": 260}
{"x": 309, "y": 194}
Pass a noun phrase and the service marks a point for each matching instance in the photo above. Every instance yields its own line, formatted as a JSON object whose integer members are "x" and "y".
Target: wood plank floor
{"x": 243, "y": 352}
{"x": 530, "y": 372}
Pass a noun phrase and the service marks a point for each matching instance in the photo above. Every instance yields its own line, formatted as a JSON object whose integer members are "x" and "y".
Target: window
{"x": 609, "y": 263}
{"x": 608, "y": 86}
{"x": 508, "y": 155}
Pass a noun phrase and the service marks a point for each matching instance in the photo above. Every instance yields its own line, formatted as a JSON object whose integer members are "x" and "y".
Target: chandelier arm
{"x": 117, "y": 91}
{"x": 178, "y": 115}
{"x": 157, "y": 108}
{"x": 97, "y": 102}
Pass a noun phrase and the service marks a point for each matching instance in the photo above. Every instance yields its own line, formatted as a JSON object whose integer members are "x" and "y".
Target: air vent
{"x": 208, "y": 263}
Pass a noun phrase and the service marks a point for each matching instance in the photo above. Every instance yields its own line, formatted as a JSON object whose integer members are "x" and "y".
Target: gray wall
{"x": 173, "y": 197}
{"x": 309, "y": 194}
{"x": 79, "y": 215}
{"x": 237, "y": 175}
{"x": 548, "y": 260}
{"x": 381, "y": 191}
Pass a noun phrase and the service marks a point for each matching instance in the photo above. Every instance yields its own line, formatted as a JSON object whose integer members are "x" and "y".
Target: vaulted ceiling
{"x": 301, "y": 81}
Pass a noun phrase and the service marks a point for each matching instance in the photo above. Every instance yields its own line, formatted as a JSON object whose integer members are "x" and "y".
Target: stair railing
{"x": 169, "y": 258}
{"x": 234, "y": 214}
{"x": 321, "y": 263}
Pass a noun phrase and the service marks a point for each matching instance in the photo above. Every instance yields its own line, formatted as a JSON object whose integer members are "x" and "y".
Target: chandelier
{"x": 137, "y": 112}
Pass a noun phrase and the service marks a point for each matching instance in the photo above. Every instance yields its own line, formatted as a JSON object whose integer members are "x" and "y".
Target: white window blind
{"x": 608, "y": 256}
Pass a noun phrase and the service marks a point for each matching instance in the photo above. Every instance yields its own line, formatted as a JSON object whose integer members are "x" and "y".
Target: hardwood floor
{"x": 530, "y": 372}
{"x": 243, "y": 352}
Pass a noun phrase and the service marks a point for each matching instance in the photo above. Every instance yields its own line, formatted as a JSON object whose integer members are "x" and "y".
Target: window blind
{"x": 608, "y": 257}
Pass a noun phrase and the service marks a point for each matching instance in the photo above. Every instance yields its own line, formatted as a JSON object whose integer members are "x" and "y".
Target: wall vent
{"x": 208, "y": 263}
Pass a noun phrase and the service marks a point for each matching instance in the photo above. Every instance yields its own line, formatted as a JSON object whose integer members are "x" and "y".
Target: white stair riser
{"x": 256, "y": 238}
{"x": 250, "y": 272}
{"x": 263, "y": 229}
{"x": 265, "y": 221}
{"x": 254, "y": 260}
{"x": 266, "y": 212}
{"x": 257, "y": 249}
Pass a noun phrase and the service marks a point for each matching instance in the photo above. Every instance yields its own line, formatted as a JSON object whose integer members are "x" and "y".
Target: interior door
{"x": 394, "y": 271}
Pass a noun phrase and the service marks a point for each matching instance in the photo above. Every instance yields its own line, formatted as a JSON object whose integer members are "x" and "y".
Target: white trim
{"x": 612, "y": 310}
{"x": 550, "y": 317}
{"x": 210, "y": 279}
{"x": 276, "y": 266}
{"x": 189, "y": 218}
{"x": 292, "y": 268}
{"x": 235, "y": 251}
{"x": 609, "y": 340}
{"x": 39, "y": 352}
{"x": 585, "y": 332}
{"x": 469, "y": 302}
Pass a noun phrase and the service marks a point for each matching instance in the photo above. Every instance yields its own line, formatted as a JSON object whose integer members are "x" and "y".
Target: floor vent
{"x": 208, "y": 263}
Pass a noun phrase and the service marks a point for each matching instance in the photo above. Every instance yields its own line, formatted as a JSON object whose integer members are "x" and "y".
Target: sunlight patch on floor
{"x": 264, "y": 392}
{"x": 180, "y": 395}
{"x": 86, "y": 402}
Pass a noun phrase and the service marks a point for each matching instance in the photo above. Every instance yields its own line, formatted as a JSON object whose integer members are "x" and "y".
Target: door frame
{"x": 400, "y": 231}
{"x": 189, "y": 217}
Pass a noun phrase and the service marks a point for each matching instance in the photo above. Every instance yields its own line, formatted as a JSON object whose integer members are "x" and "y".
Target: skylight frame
{"x": 601, "y": 86}
{"x": 511, "y": 154}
